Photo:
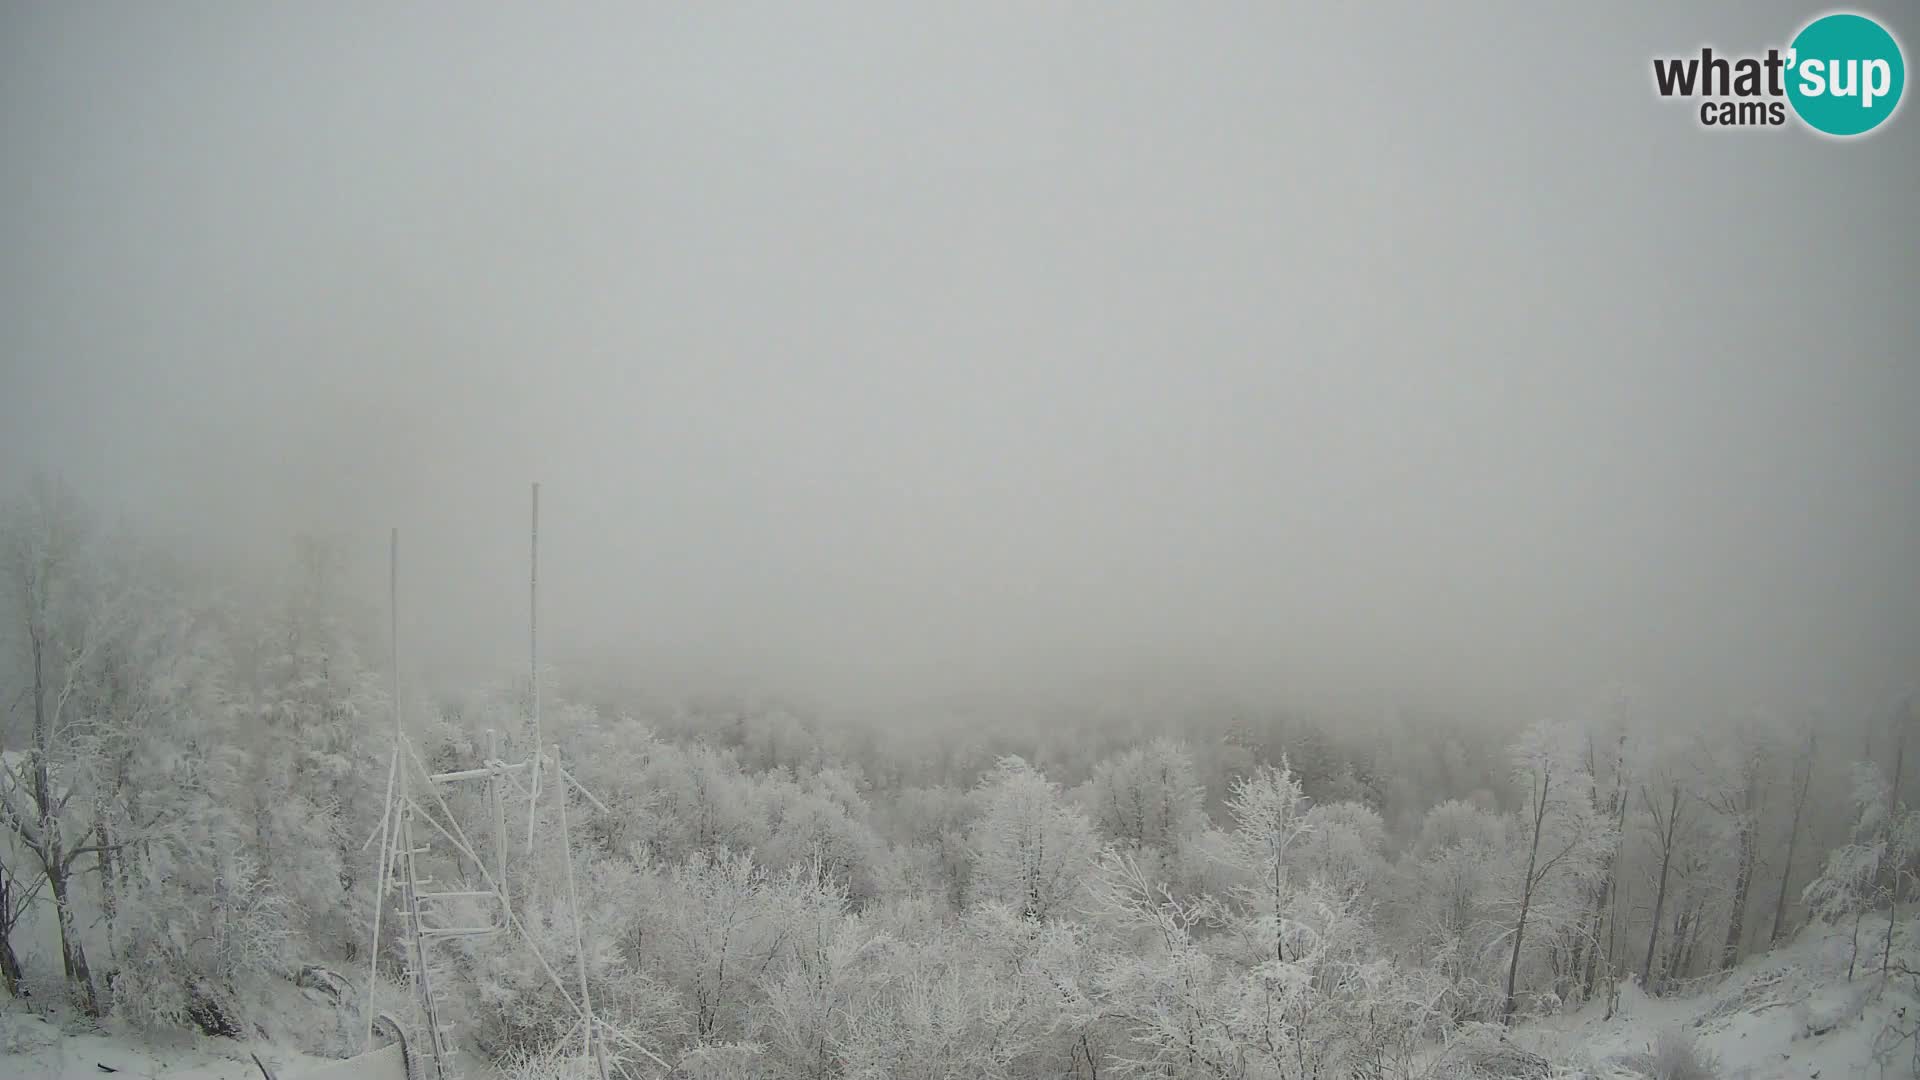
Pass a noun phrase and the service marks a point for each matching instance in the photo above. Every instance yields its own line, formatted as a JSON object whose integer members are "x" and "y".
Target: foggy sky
{"x": 1388, "y": 352}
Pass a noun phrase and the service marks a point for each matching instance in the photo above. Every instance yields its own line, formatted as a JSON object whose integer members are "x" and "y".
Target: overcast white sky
{"x": 1391, "y": 351}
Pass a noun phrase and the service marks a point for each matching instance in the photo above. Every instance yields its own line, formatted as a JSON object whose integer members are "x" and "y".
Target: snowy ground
{"x": 1791, "y": 1013}
{"x": 295, "y": 1027}
{"x": 31, "y": 1046}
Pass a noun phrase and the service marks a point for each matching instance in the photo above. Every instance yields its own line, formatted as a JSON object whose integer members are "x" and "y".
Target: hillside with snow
{"x": 1788, "y": 1014}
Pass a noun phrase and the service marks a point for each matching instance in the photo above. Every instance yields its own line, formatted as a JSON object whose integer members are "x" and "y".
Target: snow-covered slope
{"x": 30, "y": 1046}
{"x": 1791, "y": 1013}
{"x": 298, "y": 1031}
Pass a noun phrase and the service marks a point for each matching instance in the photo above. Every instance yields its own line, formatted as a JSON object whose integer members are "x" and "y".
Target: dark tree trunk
{"x": 73, "y": 956}
{"x": 1603, "y": 894}
{"x": 1526, "y": 898}
{"x": 10, "y": 973}
{"x": 1686, "y": 940}
{"x": 1589, "y": 927}
{"x": 1793, "y": 836}
{"x": 106, "y": 866}
{"x": 1743, "y": 874}
{"x": 51, "y": 853}
{"x": 1893, "y": 822}
{"x": 1660, "y": 896}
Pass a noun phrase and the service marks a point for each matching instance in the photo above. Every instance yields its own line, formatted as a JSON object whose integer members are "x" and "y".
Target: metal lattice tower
{"x": 411, "y": 830}
{"x": 432, "y": 912}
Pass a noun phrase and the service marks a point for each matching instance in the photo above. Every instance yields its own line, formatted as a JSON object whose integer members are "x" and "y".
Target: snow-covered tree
{"x": 933, "y": 826}
{"x": 307, "y": 718}
{"x": 1344, "y": 845}
{"x": 818, "y": 978}
{"x": 1270, "y": 820}
{"x": 1565, "y": 840}
{"x": 821, "y": 826}
{"x": 1032, "y": 849}
{"x": 1734, "y": 786}
{"x": 1197, "y": 1003}
{"x": 1884, "y": 845}
{"x": 60, "y": 620}
{"x": 1146, "y": 797}
{"x": 951, "y": 1004}
{"x": 1456, "y": 920}
{"x": 701, "y": 804}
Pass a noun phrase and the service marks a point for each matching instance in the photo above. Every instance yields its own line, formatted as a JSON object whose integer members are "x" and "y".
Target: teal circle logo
{"x": 1845, "y": 74}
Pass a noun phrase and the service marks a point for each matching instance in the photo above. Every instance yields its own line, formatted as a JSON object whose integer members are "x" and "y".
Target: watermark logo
{"x": 1842, "y": 75}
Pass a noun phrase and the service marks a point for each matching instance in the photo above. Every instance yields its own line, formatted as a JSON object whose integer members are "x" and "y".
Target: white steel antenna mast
{"x": 591, "y": 1036}
{"x": 416, "y": 906}
{"x": 467, "y": 912}
{"x": 533, "y": 656}
{"x": 393, "y": 770}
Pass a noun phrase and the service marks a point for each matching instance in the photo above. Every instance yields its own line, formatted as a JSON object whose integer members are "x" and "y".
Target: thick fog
{"x": 1387, "y": 354}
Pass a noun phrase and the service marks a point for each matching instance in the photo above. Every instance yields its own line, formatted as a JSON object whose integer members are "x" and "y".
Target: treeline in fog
{"x": 194, "y": 773}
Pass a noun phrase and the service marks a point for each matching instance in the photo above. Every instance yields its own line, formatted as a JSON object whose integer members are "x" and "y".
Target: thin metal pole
{"x": 504, "y": 768}
{"x": 393, "y": 637}
{"x": 393, "y": 770}
{"x": 496, "y": 791}
{"x": 393, "y": 627}
{"x": 425, "y": 996}
{"x": 417, "y": 977}
{"x": 579, "y": 948}
{"x": 563, "y": 774}
{"x": 533, "y": 612}
{"x": 380, "y": 893}
{"x": 533, "y": 656}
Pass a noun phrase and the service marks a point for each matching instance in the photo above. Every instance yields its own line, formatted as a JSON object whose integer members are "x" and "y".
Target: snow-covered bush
{"x": 1676, "y": 1055}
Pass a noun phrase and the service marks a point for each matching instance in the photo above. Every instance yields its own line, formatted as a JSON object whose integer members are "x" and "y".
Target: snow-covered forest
{"x": 196, "y": 776}
{"x": 957, "y": 541}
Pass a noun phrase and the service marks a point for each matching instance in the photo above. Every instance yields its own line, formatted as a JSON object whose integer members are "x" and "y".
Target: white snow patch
{"x": 1790, "y": 1014}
